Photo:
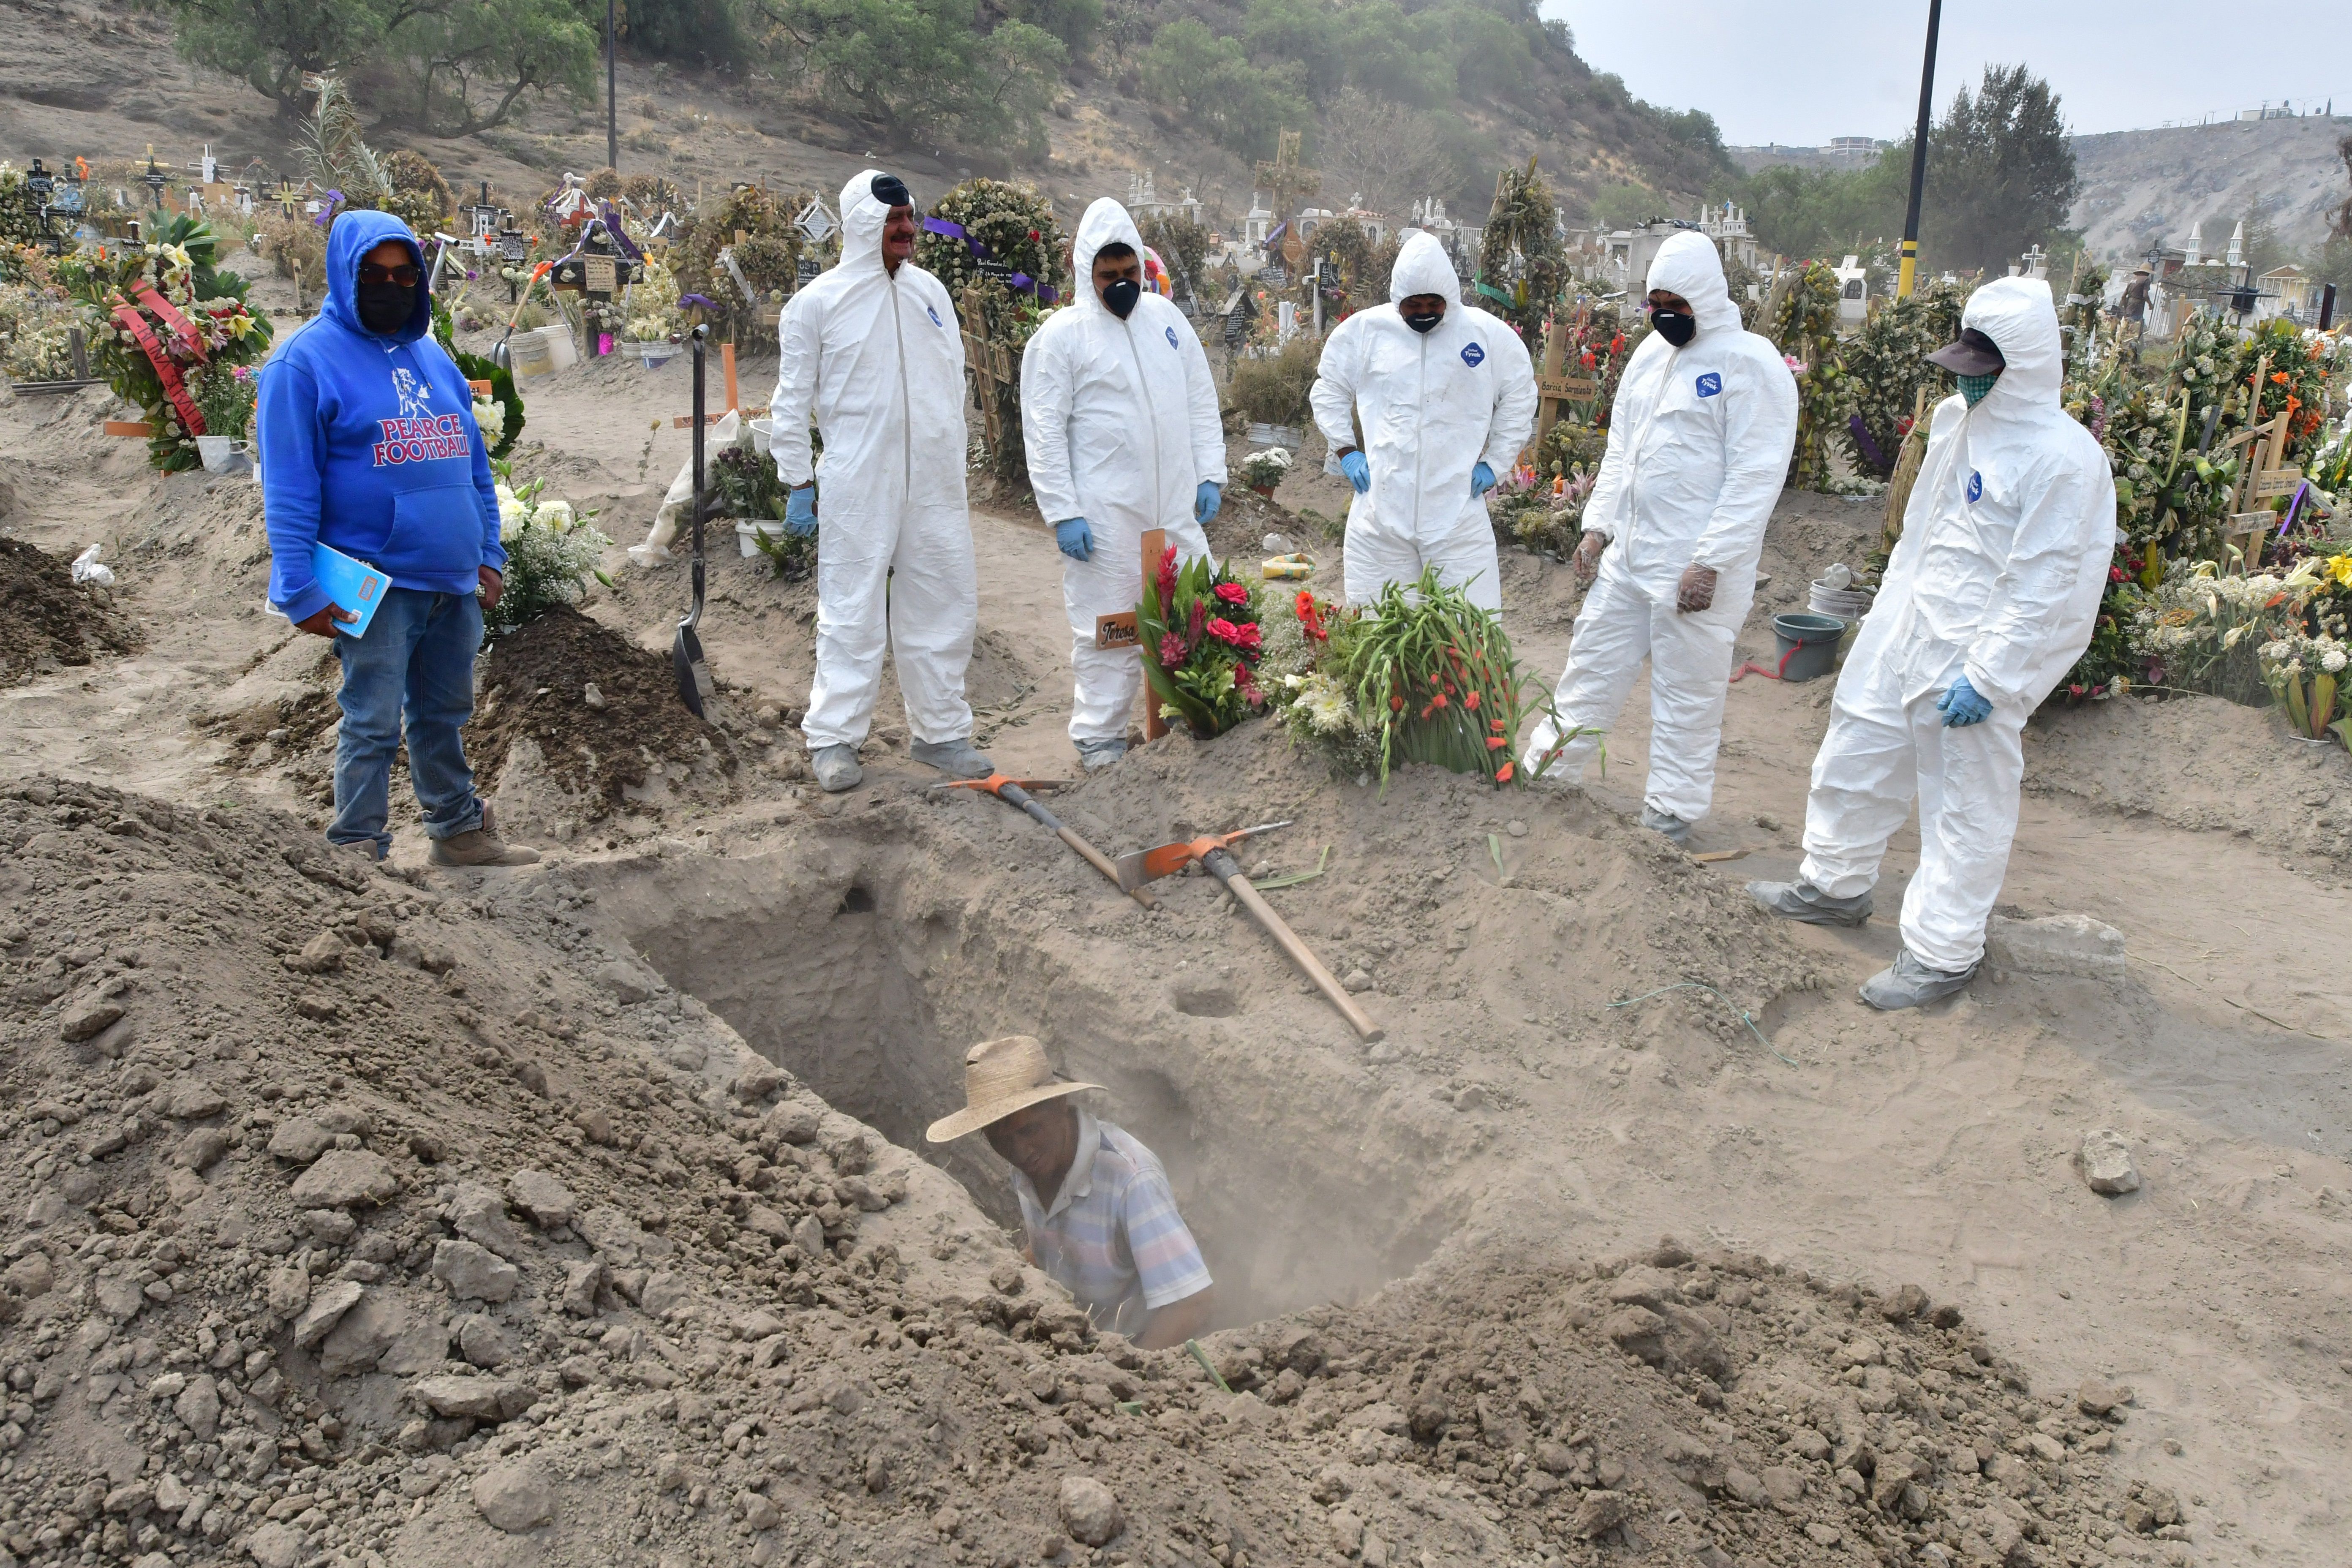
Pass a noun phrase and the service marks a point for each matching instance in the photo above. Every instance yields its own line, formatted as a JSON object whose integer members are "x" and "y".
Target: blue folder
{"x": 354, "y": 585}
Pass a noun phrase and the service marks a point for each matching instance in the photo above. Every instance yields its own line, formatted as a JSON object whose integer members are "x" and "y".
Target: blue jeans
{"x": 418, "y": 654}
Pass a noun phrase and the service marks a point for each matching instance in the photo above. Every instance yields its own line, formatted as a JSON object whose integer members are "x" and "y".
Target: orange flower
{"x": 1471, "y": 702}
{"x": 2278, "y": 378}
{"x": 1438, "y": 700}
{"x": 1502, "y": 773}
{"x": 1495, "y": 743}
{"x": 1396, "y": 704}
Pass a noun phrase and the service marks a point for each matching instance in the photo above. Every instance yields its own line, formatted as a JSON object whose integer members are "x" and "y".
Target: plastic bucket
{"x": 747, "y": 535}
{"x": 218, "y": 452}
{"x": 1809, "y": 644}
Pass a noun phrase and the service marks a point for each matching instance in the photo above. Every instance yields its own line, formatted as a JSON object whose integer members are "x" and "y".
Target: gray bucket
{"x": 1809, "y": 644}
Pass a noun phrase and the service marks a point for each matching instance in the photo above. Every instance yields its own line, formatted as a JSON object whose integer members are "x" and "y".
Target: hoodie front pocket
{"x": 436, "y": 532}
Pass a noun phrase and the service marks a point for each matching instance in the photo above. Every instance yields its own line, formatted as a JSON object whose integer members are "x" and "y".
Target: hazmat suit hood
{"x": 862, "y": 215}
{"x": 355, "y": 233}
{"x": 1106, "y": 223}
{"x": 2019, "y": 315}
{"x": 1422, "y": 267}
{"x": 1689, "y": 264}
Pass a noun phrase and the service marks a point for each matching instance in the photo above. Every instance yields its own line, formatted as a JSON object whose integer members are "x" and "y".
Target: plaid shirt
{"x": 1113, "y": 1237}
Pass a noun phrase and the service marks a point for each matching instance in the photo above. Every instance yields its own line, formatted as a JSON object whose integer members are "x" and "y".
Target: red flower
{"x": 1033, "y": 233}
{"x": 1496, "y": 742}
{"x": 1471, "y": 702}
{"x": 1172, "y": 651}
{"x": 1502, "y": 773}
{"x": 1396, "y": 704}
{"x": 1167, "y": 579}
{"x": 1232, "y": 592}
{"x": 1438, "y": 700}
{"x": 2114, "y": 574}
{"x": 1243, "y": 636}
{"x": 1310, "y": 618}
{"x": 1589, "y": 359}
{"x": 1617, "y": 344}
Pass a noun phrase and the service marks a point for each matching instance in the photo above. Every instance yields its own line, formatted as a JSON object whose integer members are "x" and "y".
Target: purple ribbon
{"x": 620, "y": 236}
{"x": 700, "y": 301}
{"x": 2293, "y": 506}
{"x": 327, "y": 213}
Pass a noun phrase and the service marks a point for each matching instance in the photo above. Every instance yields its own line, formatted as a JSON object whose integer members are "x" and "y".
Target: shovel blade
{"x": 693, "y": 676}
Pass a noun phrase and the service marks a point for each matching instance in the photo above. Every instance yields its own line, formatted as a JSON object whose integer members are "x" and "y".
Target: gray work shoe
{"x": 1911, "y": 984}
{"x": 1801, "y": 901}
{"x": 959, "y": 759}
{"x": 836, "y": 768}
{"x": 1665, "y": 822}
{"x": 481, "y": 847}
{"x": 1097, "y": 755}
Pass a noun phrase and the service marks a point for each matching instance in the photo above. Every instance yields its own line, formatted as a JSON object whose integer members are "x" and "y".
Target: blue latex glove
{"x": 1963, "y": 704}
{"x": 1358, "y": 472}
{"x": 799, "y": 512}
{"x": 1482, "y": 479}
{"x": 1206, "y": 500}
{"x": 1076, "y": 539}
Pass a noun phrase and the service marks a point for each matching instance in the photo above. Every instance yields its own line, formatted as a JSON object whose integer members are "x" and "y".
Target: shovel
{"x": 1214, "y": 853}
{"x": 694, "y": 683}
{"x": 1015, "y": 792}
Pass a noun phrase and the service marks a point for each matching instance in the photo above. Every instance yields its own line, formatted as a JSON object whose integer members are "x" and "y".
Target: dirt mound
{"x": 370, "y": 1217}
{"x": 599, "y": 715}
{"x": 46, "y": 620}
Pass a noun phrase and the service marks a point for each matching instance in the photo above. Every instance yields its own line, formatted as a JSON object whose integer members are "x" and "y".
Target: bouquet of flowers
{"x": 1806, "y": 331}
{"x": 157, "y": 314}
{"x": 1887, "y": 367}
{"x": 551, "y": 552}
{"x": 1263, "y": 469}
{"x": 654, "y": 314}
{"x": 1001, "y": 242}
{"x": 1202, "y": 644}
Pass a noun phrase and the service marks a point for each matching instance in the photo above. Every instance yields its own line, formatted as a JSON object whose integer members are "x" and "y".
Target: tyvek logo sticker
{"x": 1473, "y": 354}
{"x": 1171, "y": 339}
{"x": 1976, "y": 487}
{"x": 1709, "y": 385}
{"x": 933, "y": 312}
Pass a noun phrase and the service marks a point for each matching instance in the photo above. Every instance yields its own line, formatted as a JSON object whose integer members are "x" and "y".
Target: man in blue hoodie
{"x": 368, "y": 447}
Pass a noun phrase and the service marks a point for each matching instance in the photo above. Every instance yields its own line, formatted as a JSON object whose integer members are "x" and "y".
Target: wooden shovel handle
{"x": 1226, "y": 869}
{"x": 1101, "y": 862}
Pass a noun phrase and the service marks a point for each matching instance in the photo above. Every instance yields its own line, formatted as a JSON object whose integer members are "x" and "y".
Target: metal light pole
{"x": 1908, "y": 275}
{"x": 612, "y": 111}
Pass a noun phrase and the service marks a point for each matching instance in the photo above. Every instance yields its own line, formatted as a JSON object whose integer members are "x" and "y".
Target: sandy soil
{"x": 1517, "y": 1145}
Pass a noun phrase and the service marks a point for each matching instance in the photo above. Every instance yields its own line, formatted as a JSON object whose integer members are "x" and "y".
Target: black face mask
{"x": 1424, "y": 320}
{"x": 386, "y": 307}
{"x": 1675, "y": 326}
{"x": 1120, "y": 297}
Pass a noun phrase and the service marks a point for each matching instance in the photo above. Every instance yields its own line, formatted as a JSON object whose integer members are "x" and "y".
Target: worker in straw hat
{"x": 1095, "y": 1204}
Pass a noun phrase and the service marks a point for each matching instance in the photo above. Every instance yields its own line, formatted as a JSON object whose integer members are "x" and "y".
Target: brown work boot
{"x": 482, "y": 846}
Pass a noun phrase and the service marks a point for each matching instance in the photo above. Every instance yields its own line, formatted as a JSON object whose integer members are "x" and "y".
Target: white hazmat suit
{"x": 1121, "y": 425}
{"x": 1699, "y": 438}
{"x": 2007, "y": 541}
{"x": 876, "y": 360}
{"x": 1434, "y": 405}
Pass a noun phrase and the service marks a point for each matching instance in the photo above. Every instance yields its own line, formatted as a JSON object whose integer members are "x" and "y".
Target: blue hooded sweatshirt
{"x": 368, "y": 443}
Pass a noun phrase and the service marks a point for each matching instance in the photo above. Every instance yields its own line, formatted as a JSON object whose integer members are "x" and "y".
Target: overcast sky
{"x": 1804, "y": 72}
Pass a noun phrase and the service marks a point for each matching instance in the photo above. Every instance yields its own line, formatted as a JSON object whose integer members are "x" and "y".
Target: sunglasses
{"x": 405, "y": 275}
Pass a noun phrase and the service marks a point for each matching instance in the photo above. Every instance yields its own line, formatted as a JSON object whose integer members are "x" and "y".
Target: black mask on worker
{"x": 1677, "y": 327}
{"x": 386, "y": 307}
{"x": 1121, "y": 296}
{"x": 1423, "y": 320}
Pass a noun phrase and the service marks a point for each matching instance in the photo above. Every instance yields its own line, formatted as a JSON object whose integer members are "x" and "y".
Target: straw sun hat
{"x": 1000, "y": 1077}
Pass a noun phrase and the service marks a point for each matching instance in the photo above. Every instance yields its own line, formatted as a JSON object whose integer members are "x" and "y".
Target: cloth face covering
{"x": 1119, "y": 297}
{"x": 1424, "y": 320}
{"x": 385, "y": 307}
{"x": 1974, "y": 387}
{"x": 1676, "y": 327}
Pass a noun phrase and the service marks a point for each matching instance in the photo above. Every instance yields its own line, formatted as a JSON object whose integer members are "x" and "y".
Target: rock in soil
{"x": 2106, "y": 1163}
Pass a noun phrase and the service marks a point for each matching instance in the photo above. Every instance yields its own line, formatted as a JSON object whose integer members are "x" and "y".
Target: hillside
{"x": 2142, "y": 186}
{"x": 101, "y": 79}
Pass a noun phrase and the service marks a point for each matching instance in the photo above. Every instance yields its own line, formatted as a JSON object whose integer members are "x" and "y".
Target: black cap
{"x": 1972, "y": 354}
{"x": 891, "y": 191}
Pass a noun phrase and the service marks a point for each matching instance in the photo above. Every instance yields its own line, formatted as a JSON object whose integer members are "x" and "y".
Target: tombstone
{"x": 597, "y": 270}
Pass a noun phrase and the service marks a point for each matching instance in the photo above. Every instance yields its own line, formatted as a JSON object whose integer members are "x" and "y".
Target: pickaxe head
{"x": 994, "y": 783}
{"x": 1150, "y": 864}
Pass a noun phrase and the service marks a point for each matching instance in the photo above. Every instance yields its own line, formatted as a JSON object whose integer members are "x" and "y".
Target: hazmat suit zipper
{"x": 1633, "y": 466}
{"x": 1421, "y": 400}
{"x": 906, "y": 401}
{"x": 1143, "y": 385}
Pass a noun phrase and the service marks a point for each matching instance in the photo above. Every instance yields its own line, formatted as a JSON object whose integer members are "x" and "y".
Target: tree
{"x": 271, "y": 44}
{"x": 471, "y": 61}
{"x": 1382, "y": 155}
{"x": 1239, "y": 104}
{"x": 2000, "y": 173}
{"x": 919, "y": 69}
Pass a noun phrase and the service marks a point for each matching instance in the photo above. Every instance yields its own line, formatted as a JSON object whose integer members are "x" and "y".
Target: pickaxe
{"x": 1214, "y": 852}
{"x": 1015, "y": 792}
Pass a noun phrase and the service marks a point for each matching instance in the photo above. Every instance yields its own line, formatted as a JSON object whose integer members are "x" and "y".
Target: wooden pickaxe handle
{"x": 1222, "y": 865}
{"x": 1010, "y": 792}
